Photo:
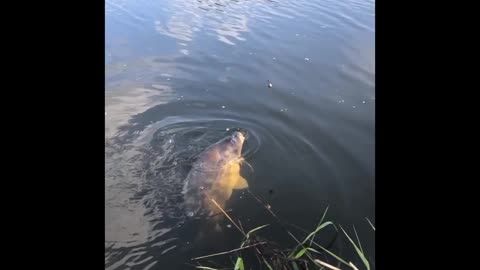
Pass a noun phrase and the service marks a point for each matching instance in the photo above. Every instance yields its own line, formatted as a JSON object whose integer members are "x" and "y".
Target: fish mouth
{"x": 244, "y": 132}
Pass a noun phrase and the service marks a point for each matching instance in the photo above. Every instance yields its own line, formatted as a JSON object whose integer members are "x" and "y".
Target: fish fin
{"x": 241, "y": 183}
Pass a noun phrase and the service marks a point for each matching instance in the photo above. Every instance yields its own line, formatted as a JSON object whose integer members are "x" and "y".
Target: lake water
{"x": 180, "y": 75}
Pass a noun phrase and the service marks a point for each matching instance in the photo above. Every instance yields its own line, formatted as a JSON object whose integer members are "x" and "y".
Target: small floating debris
{"x": 227, "y": 129}
{"x": 307, "y": 59}
{"x": 274, "y": 58}
{"x": 363, "y": 102}
{"x": 240, "y": 197}
{"x": 229, "y": 226}
{"x": 202, "y": 188}
{"x": 190, "y": 214}
{"x": 223, "y": 107}
{"x": 270, "y": 85}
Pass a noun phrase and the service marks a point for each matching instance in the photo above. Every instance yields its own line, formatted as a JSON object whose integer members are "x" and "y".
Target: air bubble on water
{"x": 354, "y": 106}
{"x": 227, "y": 129}
{"x": 363, "y": 102}
{"x": 170, "y": 141}
{"x": 274, "y": 58}
{"x": 240, "y": 197}
{"x": 229, "y": 226}
{"x": 307, "y": 59}
{"x": 223, "y": 107}
{"x": 190, "y": 214}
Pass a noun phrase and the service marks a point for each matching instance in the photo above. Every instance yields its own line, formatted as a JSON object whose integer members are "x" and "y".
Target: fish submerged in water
{"x": 215, "y": 174}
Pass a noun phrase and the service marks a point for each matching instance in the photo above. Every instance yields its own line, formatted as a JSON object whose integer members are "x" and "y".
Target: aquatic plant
{"x": 306, "y": 253}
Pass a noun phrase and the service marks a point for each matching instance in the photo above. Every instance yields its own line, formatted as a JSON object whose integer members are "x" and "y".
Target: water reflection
{"x": 224, "y": 18}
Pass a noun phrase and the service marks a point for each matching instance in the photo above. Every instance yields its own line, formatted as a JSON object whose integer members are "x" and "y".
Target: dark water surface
{"x": 181, "y": 75}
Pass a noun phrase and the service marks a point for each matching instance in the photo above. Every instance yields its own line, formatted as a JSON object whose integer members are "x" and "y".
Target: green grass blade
{"x": 293, "y": 252}
{"x": 358, "y": 239}
{"x": 295, "y": 266}
{"x": 300, "y": 253}
{"x": 360, "y": 253}
{"x": 373, "y": 227}
{"x": 205, "y": 268}
{"x": 239, "y": 264}
{"x": 314, "y": 250}
{"x": 268, "y": 265}
{"x": 318, "y": 229}
{"x": 324, "y": 214}
{"x": 332, "y": 254}
{"x": 256, "y": 229}
{"x": 321, "y": 220}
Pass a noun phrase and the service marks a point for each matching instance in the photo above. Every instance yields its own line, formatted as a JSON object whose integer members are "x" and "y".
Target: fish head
{"x": 235, "y": 144}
